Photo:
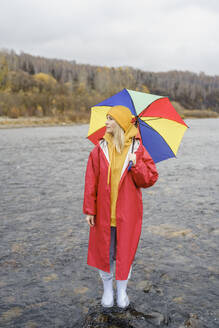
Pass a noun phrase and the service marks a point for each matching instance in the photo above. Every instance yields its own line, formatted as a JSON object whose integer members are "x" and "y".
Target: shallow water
{"x": 44, "y": 279}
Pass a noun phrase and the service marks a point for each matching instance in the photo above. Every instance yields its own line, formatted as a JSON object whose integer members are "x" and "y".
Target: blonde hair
{"x": 118, "y": 138}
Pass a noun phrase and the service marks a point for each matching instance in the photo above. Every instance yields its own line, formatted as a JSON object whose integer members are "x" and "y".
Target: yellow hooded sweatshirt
{"x": 116, "y": 164}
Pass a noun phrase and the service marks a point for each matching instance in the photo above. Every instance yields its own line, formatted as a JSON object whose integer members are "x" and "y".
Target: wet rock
{"x": 127, "y": 318}
{"x": 192, "y": 322}
{"x": 148, "y": 286}
{"x": 178, "y": 300}
{"x": 10, "y": 314}
{"x": 52, "y": 277}
{"x": 144, "y": 285}
{"x": 170, "y": 231}
{"x": 80, "y": 290}
{"x": 31, "y": 324}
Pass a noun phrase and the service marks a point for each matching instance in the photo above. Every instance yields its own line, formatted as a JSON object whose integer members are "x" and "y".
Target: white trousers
{"x": 106, "y": 275}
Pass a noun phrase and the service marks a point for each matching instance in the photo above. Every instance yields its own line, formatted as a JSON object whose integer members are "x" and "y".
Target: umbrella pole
{"x": 133, "y": 144}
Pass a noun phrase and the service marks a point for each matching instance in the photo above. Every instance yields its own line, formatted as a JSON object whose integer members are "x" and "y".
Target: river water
{"x": 44, "y": 279}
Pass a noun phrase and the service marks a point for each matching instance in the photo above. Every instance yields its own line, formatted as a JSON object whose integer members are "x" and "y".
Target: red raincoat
{"x": 129, "y": 209}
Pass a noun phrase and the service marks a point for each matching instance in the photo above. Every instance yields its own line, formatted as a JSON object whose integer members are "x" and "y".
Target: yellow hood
{"x": 131, "y": 132}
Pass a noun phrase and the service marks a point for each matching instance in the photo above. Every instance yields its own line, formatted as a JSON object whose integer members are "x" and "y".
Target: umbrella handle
{"x": 131, "y": 163}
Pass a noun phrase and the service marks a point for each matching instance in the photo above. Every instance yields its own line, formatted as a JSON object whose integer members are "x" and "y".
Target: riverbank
{"x": 21, "y": 122}
{"x": 7, "y": 122}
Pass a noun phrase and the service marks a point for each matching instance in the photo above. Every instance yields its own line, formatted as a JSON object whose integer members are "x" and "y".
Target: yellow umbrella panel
{"x": 97, "y": 123}
{"x": 171, "y": 131}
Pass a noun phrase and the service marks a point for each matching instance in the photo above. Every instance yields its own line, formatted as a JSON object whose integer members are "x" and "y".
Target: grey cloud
{"x": 151, "y": 35}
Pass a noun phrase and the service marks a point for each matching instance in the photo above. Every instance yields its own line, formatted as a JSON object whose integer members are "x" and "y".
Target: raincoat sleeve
{"x": 91, "y": 183}
{"x": 144, "y": 172}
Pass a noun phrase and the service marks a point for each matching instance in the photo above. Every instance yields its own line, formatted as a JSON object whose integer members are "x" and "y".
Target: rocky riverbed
{"x": 44, "y": 279}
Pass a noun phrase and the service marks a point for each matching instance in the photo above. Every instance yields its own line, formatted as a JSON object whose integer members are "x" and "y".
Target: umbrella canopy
{"x": 161, "y": 127}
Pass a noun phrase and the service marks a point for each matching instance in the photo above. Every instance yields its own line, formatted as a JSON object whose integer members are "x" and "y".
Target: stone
{"x": 127, "y": 318}
{"x": 144, "y": 285}
{"x": 52, "y": 277}
{"x": 193, "y": 321}
{"x": 11, "y": 314}
{"x": 170, "y": 231}
{"x": 80, "y": 290}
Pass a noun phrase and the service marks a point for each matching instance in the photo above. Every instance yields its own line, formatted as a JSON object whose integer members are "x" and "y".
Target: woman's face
{"x": 110, "y": 124}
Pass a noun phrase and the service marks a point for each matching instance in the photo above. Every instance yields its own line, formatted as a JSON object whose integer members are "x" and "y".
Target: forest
{"x": 37, "y": 86}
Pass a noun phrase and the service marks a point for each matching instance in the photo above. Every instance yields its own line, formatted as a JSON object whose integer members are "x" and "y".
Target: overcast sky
{"x": 153, "y": 35}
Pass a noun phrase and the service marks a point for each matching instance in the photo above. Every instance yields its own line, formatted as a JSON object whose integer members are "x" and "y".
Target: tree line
{"x": 37, "y": 86}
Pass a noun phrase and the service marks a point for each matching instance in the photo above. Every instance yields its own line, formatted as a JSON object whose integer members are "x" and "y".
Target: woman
{"x": 113, "y": 202}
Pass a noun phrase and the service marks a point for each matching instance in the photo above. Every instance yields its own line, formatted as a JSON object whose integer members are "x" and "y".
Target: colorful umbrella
{"x": 161, "y": 127}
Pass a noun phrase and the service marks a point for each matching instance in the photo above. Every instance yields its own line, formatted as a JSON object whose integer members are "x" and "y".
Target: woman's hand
{"x": 132, "y": 157}
{"x": 90, "y": 220}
